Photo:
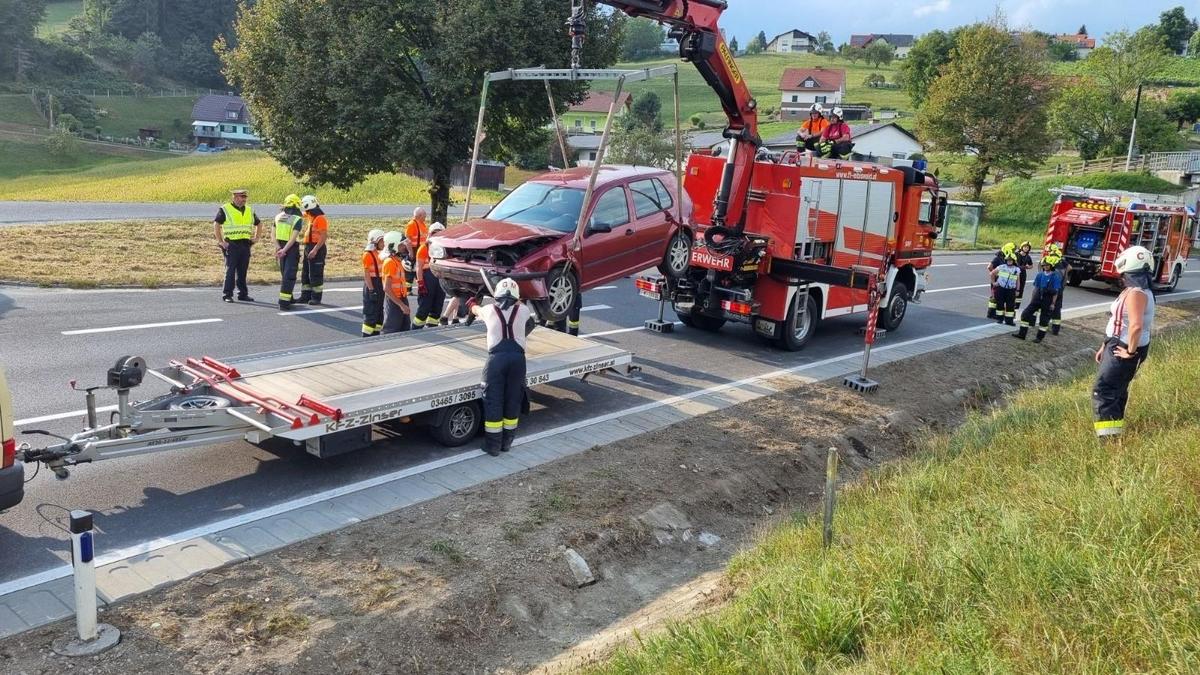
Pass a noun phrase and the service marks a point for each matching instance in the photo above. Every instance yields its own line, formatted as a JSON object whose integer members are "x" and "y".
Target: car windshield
{"x": 540, "y": 205}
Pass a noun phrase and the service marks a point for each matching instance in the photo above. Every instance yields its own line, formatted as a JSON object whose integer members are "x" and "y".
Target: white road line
{"x": 594, "y": 308}
{"x": 945, "y": 265}
{"x": 60, "y": 416}
{"x": 115, "y": 329}
{"x": 980, "y": 263}
{"x": 327, "y": 310}
{"x": 956, "y": 288}
{"x": 604, "y": 288}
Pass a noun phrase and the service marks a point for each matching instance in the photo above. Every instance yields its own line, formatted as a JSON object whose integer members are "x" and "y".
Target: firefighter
{"x": 236, "y": 228}
{"x": 1025, "y": 262}
{"x": 372, "y": 285}
{"x": 508, "y": 324}
{"x": 1005, "y": 280}
{"x": 836, "y": 138}
{"x": 397, "y": 316}
{"x": 1126, "y": 341}
{"x": 1062, "y": 268}
{"x": 431, "y": 297}
{"x": 416, "y": 232}
{"x": 288, "y": 225}
{"x": 1046, "y": 287}
{"x": 316, "y": 239}
{"x": 998, "y": 260}
{"x": 810, "y": 131}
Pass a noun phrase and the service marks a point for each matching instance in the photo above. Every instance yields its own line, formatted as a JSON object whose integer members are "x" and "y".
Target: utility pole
{"x": 1133, "y": 132}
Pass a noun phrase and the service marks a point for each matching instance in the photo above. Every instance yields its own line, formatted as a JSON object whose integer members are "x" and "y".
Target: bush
{"x": 68, "y": 122}
{"x": 61, "y": 144}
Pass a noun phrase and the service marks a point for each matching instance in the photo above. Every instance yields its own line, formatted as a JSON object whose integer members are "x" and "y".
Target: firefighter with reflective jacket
{"x": 288, "y": 225}
{"x": 431, "y": 298}
{"x": 1005, "y": 280}
{"x": 1046, "y": 288}
{"x": 1025, "y": 262}
{"x": 508, "y": 324}
{"x": 999, "y": 259}
{"x": 809, "y": 135}
{"x": 315, "y": 236}
{"x": 1126, "y": 341}
{"x": 397, "y": 316}
{"x": 1062, "y": 268}
{"x": 372, "y": 324}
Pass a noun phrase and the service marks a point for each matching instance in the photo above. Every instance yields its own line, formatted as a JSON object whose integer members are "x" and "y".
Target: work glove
{"x": 471, "y": 303}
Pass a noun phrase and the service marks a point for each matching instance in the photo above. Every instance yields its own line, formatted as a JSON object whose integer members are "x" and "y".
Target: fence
{"x": 139, "y": 92}
{"x": 1102, "y": 164}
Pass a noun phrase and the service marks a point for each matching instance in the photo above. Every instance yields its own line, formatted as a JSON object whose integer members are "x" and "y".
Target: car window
{"x": 645, "y": 198}
{"x": 664, "y": 195}
{"x": 550, "y": 206}
{"x": 611, "y": 208}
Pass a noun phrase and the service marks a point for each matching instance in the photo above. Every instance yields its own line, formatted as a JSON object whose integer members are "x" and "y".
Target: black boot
{"x": 305, "y": 297}
{"x": 1021, "y": 333}
{"x": 1055, "y": 328}
{"x": 1041, "y": 335}
{"x": 506, "y": 439}
{"x": 491, "y": 444}
{"x": 315, "y": 299}
{"x": 1009, "y": 321}
{"x": 285, "y": 305}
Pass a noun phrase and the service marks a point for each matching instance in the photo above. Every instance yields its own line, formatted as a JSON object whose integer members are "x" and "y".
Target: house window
{"x": 899, "y": 155}
{"x": 809, "y": 84}
{"x": 821, "y": 99}
{"x": 246, "y": 130}
{"x": 592, "y": 156}
{"x": 795, "y": 98}
{"x": 578, "y": 124}
{"x": 231, "y": 115}
{"x": 593, "y": 125}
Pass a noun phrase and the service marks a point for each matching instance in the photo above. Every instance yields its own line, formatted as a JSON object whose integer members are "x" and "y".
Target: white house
{"x": 791, "y": 42}
{"x": 881, "y": 143}
{"x": 901, "y": 44}
{"x": 223, "y": 120}
{"x": 802, "y": 87}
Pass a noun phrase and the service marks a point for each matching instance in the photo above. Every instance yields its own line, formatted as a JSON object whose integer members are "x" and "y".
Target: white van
{"x": 12, "y": 472}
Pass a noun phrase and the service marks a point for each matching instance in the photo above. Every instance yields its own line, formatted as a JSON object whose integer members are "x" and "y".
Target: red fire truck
{"x": 1094, "y": 226}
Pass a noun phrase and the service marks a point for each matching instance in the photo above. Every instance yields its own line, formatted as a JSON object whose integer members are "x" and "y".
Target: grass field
{"x": 993, "y": 551}
{"x": 1179, "y": 71}
{"x": 200, "y": 178}
{"x": 762, "y": 73}
{"x": 58, "y": 16}
{"x": 18, "y": 109}
{"x": 133, "y": 253}
{"x": 25, "y": 158}
{"x": 124, "y": 115}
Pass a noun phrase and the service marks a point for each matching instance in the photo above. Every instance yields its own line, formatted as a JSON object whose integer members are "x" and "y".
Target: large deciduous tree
{"x": 1176, "y": 28}
{"x": 18, "y": 20}
{"x": 343, "y": 89}
{"x": 643, "y": 40}
{"x": 990, "y": 101}
{"x": 879, "y": 53}
{"x": 924, "y": 63}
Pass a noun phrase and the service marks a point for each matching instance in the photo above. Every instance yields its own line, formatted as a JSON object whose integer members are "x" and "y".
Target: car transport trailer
{"x": 327, "y": 397}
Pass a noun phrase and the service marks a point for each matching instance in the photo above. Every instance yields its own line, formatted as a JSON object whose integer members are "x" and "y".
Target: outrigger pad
{"x": 861, "y": 384}
{"x": 660, "y": 326}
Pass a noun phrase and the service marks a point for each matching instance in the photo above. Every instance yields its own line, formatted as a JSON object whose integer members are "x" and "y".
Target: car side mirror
{"x": 599, "y": 227}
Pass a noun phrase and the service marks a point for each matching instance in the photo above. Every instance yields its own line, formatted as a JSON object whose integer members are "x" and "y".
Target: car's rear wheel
{"x": 562, "y": 291}
{"x": 678, "y": 257}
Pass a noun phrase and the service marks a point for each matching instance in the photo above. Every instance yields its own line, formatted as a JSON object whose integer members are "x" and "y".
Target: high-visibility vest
{"x": 1007, "y": 278}
{"x": 284, "y": 224}
{"x": 237, "y": 226}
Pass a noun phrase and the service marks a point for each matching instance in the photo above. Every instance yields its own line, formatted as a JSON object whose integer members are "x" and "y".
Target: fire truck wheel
{"x": 1074, "y": 278}
{"x": 678, "y": 257}
{"x": 458, "y": 425}
{"x": 798, "y": 329}
{"x": 891, "y": 316}
{"x": 1174, "y": 281}
{"x": 702, "y": 322}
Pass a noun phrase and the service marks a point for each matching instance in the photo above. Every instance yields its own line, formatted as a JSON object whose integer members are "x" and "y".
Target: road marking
{"x": 594, "y": 308}
{"x": 980, "y": 263}
{"x": 60, "y": 416}
{"x": 945, "y": 265}
{"x": 956, "y": 288}
{"x": 114, "y": 329}
{"x": 604, "y": 288}
{"x": 327, "y": 310}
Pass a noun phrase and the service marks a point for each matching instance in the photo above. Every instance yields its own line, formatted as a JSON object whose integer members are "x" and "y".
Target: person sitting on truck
{"x": 1025, "y": 262}
{"x": 508, "y": 324}
{"x": 998, "y": 260}
{"x": 809, "y": 135}
{"x": 431, "y": 298}
{"x": 837, "y": 137}
{"x": 397, "y": 316}
{"x": 1046, "y": 287}
{"x": 1004, "y": 280}
{"x": 1126, "y": 341}
{"x": 372, "y": 285}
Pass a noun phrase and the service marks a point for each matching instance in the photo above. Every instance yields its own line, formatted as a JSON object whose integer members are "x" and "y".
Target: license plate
{"x": 650, "y": 294}
{"x": 713, "y": 261}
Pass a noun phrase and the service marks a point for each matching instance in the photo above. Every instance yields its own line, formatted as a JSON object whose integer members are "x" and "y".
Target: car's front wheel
{"x": 562, "y": 293}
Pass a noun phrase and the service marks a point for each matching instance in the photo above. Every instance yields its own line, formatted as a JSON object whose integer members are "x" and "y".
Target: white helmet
{"x": 509, "y": 288}
{"x": 308, "y": 202}
{"x": 373, "y": 237}
{"x": 436, "y": 227}
{"x": 1134, "y": 259}
{"x": 393, "y": 239}
{"x": 816, "y": 108}
{"x": 837, "y": 112}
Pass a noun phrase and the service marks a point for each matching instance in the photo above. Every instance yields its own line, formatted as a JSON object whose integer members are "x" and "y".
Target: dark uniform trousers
{"x": 1056, "y": 313}
{"x": 503, "y": 389}
{"x": 288, "y": 266}
{"x": 237, "y": 263}
{"x": 1041, "y": 306}
{"x": 429, "y": 304}
{"x": 394, "y": 320}
{"x": 1020, "y": 289}
{"x": 1006, "y": 304}
{"x": 1111, "y": 391}
{"x": 312, "y": 275}
{"x": 372, "y": 309}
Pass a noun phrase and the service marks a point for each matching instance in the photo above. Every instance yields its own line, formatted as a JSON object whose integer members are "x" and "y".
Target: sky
{"x": 746, "y": 17}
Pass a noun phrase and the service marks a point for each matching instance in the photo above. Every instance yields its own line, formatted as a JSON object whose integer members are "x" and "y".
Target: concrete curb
{"x": 47, "y": 597}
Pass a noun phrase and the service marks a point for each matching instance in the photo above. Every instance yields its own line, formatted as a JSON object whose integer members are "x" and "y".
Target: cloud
{"x": 936, "y": 7}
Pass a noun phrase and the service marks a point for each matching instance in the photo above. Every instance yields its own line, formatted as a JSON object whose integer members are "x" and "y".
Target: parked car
{"x": 631, "y": 226}
{"x": 12, "y": 472}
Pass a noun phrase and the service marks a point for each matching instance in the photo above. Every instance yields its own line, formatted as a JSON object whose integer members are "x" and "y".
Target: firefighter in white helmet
{"x": 836, "y": 139}
{"x": 810, "y": 131}
{"x": 372, "y": 298}
{"x": 508, "y": 323}
{"x": 1126, "y": 341}
{"x": 397, "y": 316}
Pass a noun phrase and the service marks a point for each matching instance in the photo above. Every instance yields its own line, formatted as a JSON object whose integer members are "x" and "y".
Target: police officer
{"x": 1126, "y": 341}
{"x": 508, "y": 323}
{"x": 288, "y": 225}
{"x": 236, "y": 228}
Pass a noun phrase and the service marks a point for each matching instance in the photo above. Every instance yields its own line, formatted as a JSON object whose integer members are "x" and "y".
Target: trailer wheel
{"x": 798, "y": 331}
{"x": 1074, "y": 278}
{"x": 893, "y": 315}
{"x": 200, "y": 402}
{"x": 679, "y": 255}
{"x": 704, "y": 322}
{"x": 458, "y": 425}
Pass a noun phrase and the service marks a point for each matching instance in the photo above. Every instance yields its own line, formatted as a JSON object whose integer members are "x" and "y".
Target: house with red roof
{"x": 1081, "y": 42}
{"x": 802, "y": 87}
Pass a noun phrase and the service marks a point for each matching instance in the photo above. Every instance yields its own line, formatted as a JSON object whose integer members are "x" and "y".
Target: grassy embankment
{"x": 58, "y": 16}
{"x": 1015, "y": 544}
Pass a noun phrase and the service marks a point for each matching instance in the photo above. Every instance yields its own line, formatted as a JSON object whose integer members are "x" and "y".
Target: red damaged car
{"x": 631, "y": 226}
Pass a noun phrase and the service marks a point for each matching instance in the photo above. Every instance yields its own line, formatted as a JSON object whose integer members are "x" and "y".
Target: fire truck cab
{"x": 819, "y": 230}
{"x": 1094, "y": 226}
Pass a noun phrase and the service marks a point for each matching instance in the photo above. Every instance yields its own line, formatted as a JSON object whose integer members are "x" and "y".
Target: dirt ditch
{"x": 479, "y": 581}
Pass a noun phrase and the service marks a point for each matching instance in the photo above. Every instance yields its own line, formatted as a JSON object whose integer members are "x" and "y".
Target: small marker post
{"x": 91, "y": 637}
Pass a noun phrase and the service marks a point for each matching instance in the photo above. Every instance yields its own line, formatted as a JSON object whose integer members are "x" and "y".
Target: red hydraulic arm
{"x": 693, "y": 23}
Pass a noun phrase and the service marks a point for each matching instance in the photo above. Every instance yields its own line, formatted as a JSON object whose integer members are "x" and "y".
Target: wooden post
{"x": 475, "y": 153}
{"x": 831, "y": 467}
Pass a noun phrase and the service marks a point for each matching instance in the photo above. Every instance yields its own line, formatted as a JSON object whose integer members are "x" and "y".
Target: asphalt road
{"x": 50, "y": 337}
{"x": 42, "y": 213}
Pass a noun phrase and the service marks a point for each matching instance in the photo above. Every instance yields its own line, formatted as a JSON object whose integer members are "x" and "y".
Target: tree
{"x": 1183, "y": 107}
{"x": 874, "y": 80}
{"x": 61, "y": 144}
{"x": 144, "y": 61}
{"x": 990, "y": 101}
{"x": 68, "y": 122}
{"x": 1082, "y": 30}
{"x": 1059, "y": 50}
{"x": 852, "y": 54}
{"x": 1193, "y": 48}
{"x": 645, "y": 113}
{"x": 1125, "y": 61}
{"x": 762, "y": 39}
{"x": 824, "y": 43}
{"x": 18, "y": 21}
{"x": 643, "y": 40}
{"x": 924, "y": 63}
{"x": 382, "y": 85}
{"x": 1176, "y": 28}
{"x": 641, "y": 146}
{"x": 696, "y": 120}
{"x": 879, "y": 53}
{"x": 758, "y": 44}
{"x": 733, "y": 45}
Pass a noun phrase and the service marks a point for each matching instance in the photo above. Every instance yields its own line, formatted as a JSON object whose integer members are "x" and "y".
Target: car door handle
{"x": 629, "y": 232}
